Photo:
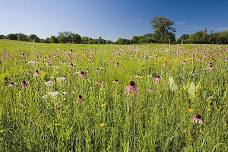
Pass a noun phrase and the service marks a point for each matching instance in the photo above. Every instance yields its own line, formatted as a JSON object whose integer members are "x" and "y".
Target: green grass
{"x": 158, "y": 119}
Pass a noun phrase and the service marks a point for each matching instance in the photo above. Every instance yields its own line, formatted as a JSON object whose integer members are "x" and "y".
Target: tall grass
{"x": 158, "y": 119}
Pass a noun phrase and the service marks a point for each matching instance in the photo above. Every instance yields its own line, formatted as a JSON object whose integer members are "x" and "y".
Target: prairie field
{"x": 155, "y": 97}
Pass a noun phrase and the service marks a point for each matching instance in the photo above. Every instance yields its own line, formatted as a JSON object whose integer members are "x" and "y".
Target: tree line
{"x": 62, "y": 37}
{"x": 203, "y": 37}
{"x": 164, "y": 32}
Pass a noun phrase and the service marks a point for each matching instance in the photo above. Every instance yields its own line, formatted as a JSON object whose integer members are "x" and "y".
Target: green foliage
{"x": 202, "y": 37}
{"x": 63, "y": 37}
{"x": 34, "y": 38}
{"x": 123, "y": 41}
{"x": 53, "y": 39}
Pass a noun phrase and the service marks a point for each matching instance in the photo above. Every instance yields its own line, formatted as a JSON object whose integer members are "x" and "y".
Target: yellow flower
{"x": 208, "y": 109}
{"x": 102, "y": 125}
{"x": 103, "y": 105}
{"x": 190, "y": 110}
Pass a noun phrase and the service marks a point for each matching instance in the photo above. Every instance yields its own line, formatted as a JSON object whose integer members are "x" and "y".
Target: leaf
{"x": 68, "y": 133}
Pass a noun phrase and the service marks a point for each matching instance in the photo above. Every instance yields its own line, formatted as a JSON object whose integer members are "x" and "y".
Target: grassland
{"x": 36, "y": 116}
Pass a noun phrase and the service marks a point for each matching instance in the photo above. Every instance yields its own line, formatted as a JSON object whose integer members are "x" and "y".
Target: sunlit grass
{"x": 159, "y": 118}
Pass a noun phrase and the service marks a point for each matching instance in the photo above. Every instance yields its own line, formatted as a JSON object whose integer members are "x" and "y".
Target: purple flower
{"x": 36, "y": 74}
{"x": 80, "y": 99}
{"x": 24, "y": 84}
{"x": 197, "y": 119}
{"x": 131, "y": 89}
{"x": 83, "y": 75}
{"x": 157, "y": 78}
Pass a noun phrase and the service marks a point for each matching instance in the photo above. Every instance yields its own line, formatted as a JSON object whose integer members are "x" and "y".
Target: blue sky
{"x": 109, "y": 19}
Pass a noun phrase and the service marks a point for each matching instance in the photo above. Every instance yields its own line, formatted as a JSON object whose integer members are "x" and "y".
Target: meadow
{"x": 66, "y": 97}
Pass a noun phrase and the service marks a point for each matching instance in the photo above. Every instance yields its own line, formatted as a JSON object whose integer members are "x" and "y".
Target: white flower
{"x": 44, "y": 97}
{"x": 49, "y": 83}
{"x": 11, "y": 85}
{"x": 32, "y": 62}
{"x": 65, "y": 93}
{"x": 173, "y": 86}
{"x": 36, "y": 74}
{"x": 53, "y": 94}
{"x": 61, "y": 79}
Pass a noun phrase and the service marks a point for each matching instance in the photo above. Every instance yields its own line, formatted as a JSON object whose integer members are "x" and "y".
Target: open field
{"x": 55, "y": 99}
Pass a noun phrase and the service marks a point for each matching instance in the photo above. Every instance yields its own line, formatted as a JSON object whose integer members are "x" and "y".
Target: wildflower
{"x": 61, "y": 79}
{"x": 208, "y": 109}
{"x": 190, "y": 110}
{"x": 83, "y": 75}
{"x": 117, "y": 64}
{"x": 151, "y": 91}
{"x": 100, "y": 83}
{"x": 6, "y": 80}
{"x": 44, "y": 97}
{"x": 103, "y": 105}
{"x": 172, "y": 85}
{"x": 23, "y": 55}
{"x": 102, "y": 125}
{"x": 65, "y": 93}
{"x": 32, "y": 62}
{"x": 53, "y": 94}
{"x": 11, "y": 85}
{"x": 71, "y": 65}
{"x": 204, "y": 71}
{"x": 210, "y": 67}
{"x": 157, "y": 78}
{"x": 80, "y": 99}
{"x": 138, "y": 76}
{"x": 131, "y": 89}
{"x": 115, "y": 81}
{"x": 25, "y": 84}
{"x": 165, "y": 64}
{"x": 49, "y": 83}
{"x": 184, "y": 62}
{"x": 197, "y": 119}
{"x": 36, "y": 74}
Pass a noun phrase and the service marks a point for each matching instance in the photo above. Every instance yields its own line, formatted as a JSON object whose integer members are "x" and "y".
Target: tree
{"x": 64, "y": 37}
{"x": 85, "y": 40}
{"x": 135, "y": 40}
{"x": 200, "y": 37}
{"x": 2, "y": 37}
{"x": 53, "y": 39}
{"x": 75, "y": 38}
{"x": 33, "y": 37}
{"x": 183, "y": 39}
{"x": 164, "y": 31}
{"x": 223, "y": 37}
{"x": 22, "y": 37}
{"x": 12, "y": 36}
{"x": 123, "y": 41}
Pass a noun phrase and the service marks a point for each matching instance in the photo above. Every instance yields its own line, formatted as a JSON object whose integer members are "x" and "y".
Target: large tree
{"x": 164, "y": 31}
{"x": 33, "y": 37}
